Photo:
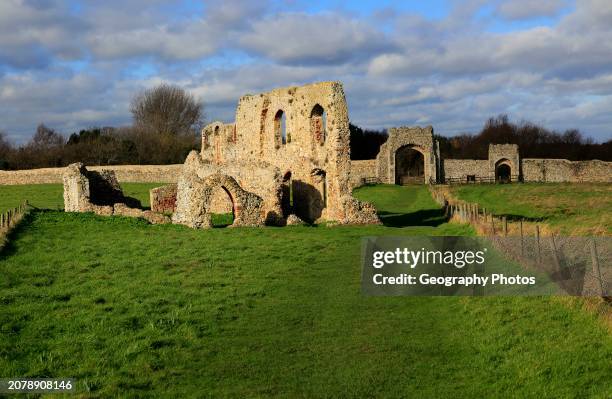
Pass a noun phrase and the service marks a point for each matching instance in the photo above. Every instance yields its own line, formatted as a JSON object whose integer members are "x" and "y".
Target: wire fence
{"x": 581, "y": 265}
{"x": 10, "y": 218}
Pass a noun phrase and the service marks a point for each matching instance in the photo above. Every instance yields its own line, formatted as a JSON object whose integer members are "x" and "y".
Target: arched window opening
{"x": 217, "y": 143}
{"x": 318, "y": 124}
{"x": 280, "y": 128}
{"x": 409, "y": 166}
{"x": 221, "y": 207}
{"x": 503, "y": 172}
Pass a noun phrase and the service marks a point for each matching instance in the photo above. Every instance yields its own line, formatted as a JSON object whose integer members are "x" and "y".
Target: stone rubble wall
{"x": 461, "y": 168}
{"x": 195, "y": 194}
{"x": 99, "y": 192}
{"x": 563, "y": 170}
{"x": 361, "y": 170}
{"x": 257, "y": 177}
{"x": 314, "y": 154}
{"x": 124, "y": 173}
{"x": 163, "y": 199}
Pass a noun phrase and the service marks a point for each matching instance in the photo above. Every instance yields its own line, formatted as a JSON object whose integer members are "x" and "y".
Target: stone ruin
{"x": 100, "y": 193}
{"x": 412, "y": 155}
{"x": 284, "y": 161}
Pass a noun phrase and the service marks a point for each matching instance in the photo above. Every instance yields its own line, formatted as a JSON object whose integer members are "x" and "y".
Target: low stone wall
{"x": 460, "y": 168}
{"x": 361, "y": 170}
{"x": 124, "y": 173}
{"x": 562, "y": 170}
{"x": 163, "y": 199}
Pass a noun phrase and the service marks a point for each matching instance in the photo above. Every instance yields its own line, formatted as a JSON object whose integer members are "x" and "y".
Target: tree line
{"x": 534, "y": 142}
{"x": 167, "y": 121}
{"x": 166, "y": 125}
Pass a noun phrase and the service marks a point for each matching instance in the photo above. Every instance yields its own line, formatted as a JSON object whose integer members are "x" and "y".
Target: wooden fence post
{"x": 537, "y": 237}
{"x": 522, "y": 244}
{"x": 596, "y": 270}
{"x": 505, "y": 226}
{"x": 555, "y": 257}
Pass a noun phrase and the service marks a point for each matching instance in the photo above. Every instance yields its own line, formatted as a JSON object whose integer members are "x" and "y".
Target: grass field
{"x": 130, "y": 309}
{"x": 50, "y": 196}
{"x": 584, "y": 208}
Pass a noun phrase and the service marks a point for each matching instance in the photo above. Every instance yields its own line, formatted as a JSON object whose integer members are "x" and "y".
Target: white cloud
{"x": 397, "y": 68}
{"x": 327, "y": 38}
{"x": 527, "y": 9}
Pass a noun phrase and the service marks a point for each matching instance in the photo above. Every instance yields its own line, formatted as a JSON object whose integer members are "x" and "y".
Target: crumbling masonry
{"x": 287, "y": 154}
{"x": 99, "y": 192}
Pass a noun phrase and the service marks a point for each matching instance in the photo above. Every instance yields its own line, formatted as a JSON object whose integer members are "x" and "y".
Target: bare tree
{"x": 46, "y": 137}
{"x": 5, "y": 150}
{"x": 166, "y": 109}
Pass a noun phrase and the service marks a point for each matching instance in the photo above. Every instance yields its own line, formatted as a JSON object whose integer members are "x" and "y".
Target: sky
{"x": 447, "y": 63}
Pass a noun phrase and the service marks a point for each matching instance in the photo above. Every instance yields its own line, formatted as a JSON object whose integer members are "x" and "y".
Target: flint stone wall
{"x": 194, "y": 197}
{"x": 418, "y": 138}
{"x": 361, "y": 170}
{"x": 461, "y": 168}
{"x": 124, "y": 173}
{"x": 562, "y": 170}
{"x": 99, "y": 192}
{"x": 313, "y": 154}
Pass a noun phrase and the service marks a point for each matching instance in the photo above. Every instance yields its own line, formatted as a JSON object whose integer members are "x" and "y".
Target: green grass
{"x": 136, "y": 310}
{"x": 584, "y": 208}
{"x": 222, "y": 219}
{"x": 46, "y": 196}
{"x": 400, "y": 206}
{"x": 51, "y": 196}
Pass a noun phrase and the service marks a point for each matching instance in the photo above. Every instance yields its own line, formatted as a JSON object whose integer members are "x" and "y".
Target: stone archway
{"x": 195, "y": 198}
{"x": 503, "y": 171}
{"x": 399, "y": 141}
{"x": 409, "y": 165}
{"x": 221, "y": 207}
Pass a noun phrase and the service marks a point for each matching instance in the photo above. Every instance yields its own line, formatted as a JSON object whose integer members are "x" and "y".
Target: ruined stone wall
{"x": 361, "y": 170}
{"x": 99, "y": 192}
{"x": 461, "y": 168}
{"x": 418, "y": 138}
{"x": 163, "y": 199}
{"x": 311, "y": 152}
{"x": 563, "y": 170}
{"x": 124, "y": 173}
{"x": 259, "y": 178}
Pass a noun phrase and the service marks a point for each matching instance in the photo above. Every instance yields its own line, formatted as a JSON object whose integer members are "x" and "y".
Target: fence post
{"x": 537, "y": 237}
{"x": 555, "y": 257}
{"x": 505, "y": 226}
{"x": 596, "y": 270}
{"x": 492, "y": 225}
{"x": 522, "y": 244}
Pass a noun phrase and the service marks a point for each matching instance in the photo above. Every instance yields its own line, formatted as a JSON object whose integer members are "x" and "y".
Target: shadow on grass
{"x": 516, "y": 218}
{"x": 423, "y": 217}
{"x": 8, "y": 248}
